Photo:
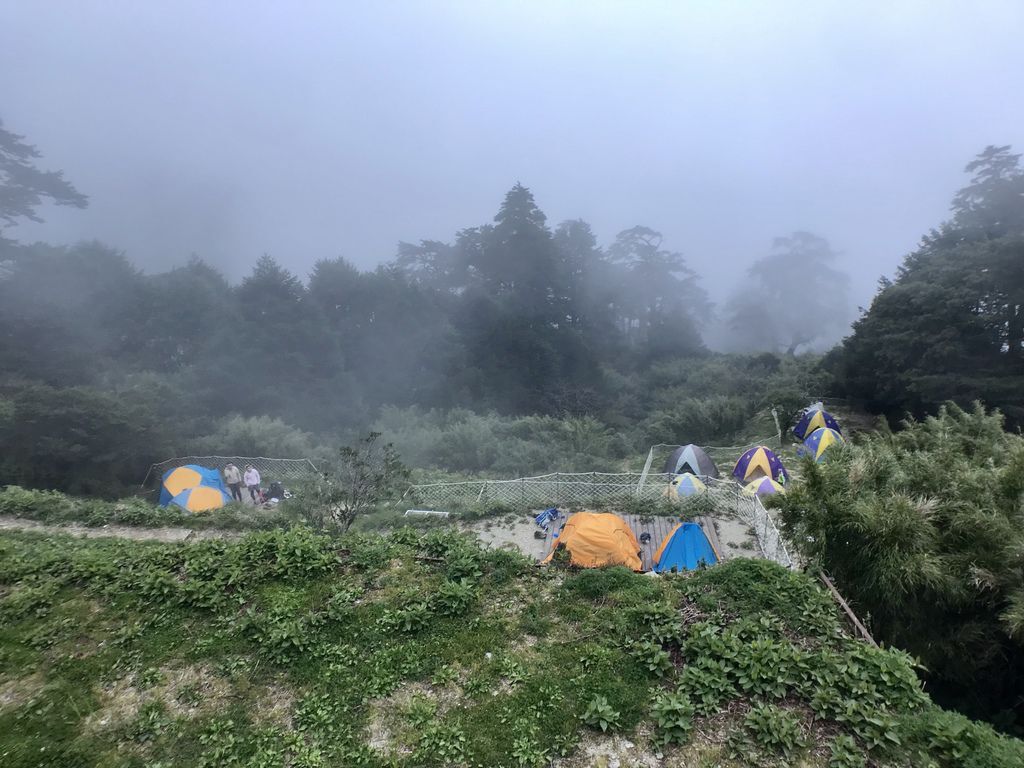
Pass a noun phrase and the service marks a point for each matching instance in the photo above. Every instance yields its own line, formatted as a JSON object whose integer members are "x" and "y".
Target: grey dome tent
{"x": 691, "y": 458}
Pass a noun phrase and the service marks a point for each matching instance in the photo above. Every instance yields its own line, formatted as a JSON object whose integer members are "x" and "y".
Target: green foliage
{"x": 920, "y": 529}
{"x": 775, "y": 729}
{"x": 673, "y": 716}
{"x": 341, "y": 631}
{"x": 703, "y": 421}
{"x": 592, "y": 583}
{"x": 363, "y": 476}
{"x": 949, "y": 326}
{"x": 442, "y": 744}
{"x": 708, "y": 684}
{"x": 527, "y": 751}
{"x": 844, "y": 753}
{"x": 453, "y": 598}
{"x": 26, "y": 187}
{"x": 653, "y": 658}
{"x": 599, "y": 714}
{"x": 78, "y": 439}
{"x": 459, "y": 440}
{"x": 256, "y": 436}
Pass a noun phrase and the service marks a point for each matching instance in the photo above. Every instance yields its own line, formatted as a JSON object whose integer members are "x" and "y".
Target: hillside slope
{"x": 287, "y": 648}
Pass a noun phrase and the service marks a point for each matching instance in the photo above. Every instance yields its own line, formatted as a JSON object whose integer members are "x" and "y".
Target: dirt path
{"x": 116, "y": 531}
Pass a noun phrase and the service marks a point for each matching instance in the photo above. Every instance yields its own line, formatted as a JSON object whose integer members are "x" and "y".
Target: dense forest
{"x": 514, "y": 335}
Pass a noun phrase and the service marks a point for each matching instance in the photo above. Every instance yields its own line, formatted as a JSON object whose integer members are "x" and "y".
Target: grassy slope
{"x": 286, "y": 648}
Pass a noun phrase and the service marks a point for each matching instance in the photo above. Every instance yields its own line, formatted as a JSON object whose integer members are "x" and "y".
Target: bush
{"x": 775, "y": 729}
{"x": 673, "y": 716}
{"x": 922, "y": 530}
{"x": 462, "y": 441}
{"x": 599, "y": 714}
{"x": 256, "y": 436}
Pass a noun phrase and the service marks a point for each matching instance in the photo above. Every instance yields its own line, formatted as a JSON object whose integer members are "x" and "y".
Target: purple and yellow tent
{"x": 757, "y": 462}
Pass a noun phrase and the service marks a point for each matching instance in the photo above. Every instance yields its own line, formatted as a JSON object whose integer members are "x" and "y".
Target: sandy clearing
{"x": 736, "y": 537}
{"x": 505, "y": 532}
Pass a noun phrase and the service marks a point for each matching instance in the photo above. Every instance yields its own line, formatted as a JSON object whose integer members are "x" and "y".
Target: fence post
{"x": 778, "y": 426}
{"x": 647, "y": 468}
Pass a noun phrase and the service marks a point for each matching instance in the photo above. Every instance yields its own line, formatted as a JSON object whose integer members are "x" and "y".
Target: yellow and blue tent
{"x": 684, "y": 485}
{"x": 818, "y": 443}
{"x": 759, "y": 461}
{"x": 763, "y": 487}
{"x": 202, "y": 498}
{"x": 817, "y": 418}
{"x": 180, "y": 479}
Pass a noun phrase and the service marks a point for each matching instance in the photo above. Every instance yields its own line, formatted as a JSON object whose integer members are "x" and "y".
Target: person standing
{"x": 252, "y": 481}
{"x": 234, "y": 480}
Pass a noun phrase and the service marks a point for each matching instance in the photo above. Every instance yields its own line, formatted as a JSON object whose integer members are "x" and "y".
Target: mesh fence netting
{"x": 723, "y": 498}
{"x": 282, "y": 470}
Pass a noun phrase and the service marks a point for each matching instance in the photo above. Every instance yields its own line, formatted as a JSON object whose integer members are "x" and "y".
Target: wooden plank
{"x": 847, "y": 609}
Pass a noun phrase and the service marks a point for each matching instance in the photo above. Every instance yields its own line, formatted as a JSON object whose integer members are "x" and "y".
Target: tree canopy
{"x": 950, "y": 326}
{"x": 24, "y": 187}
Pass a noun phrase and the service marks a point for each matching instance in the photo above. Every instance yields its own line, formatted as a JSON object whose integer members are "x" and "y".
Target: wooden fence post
{"x": 847, "y": 609}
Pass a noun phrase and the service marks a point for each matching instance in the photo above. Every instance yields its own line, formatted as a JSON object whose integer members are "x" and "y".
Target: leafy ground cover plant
{"x": 292, "y": 648}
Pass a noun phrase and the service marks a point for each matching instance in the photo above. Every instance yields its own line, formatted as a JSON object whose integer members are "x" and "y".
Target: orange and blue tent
{"x": 759, "y": 462}
{"x": 685, "y": 548}
{"x": 685, "y": 485}
{"x": 816, "y": 418}
{"x": 202, "y": 498}
{"x": 598, "y": 540}
{"x": 820, "y": 440}
{"x": 763, "y": 487}
{"x": 176, "y": 481}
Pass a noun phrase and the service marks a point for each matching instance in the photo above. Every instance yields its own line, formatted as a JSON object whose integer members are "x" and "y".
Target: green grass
{"x": 289, "y": 648}
{"x": 55, "y": 508}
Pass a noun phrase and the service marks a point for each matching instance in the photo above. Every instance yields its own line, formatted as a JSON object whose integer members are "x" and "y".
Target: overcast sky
{"x": 311, "y": 130}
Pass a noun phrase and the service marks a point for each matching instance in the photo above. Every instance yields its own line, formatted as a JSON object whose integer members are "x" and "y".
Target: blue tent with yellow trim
{"x": 817, "y": 444}
{"x": 202, "y": 498}
{"x": 180, "y": 479}
{"x": 815, "y": 419}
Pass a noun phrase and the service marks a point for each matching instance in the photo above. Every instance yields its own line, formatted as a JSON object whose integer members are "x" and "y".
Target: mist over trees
{"x": 950, "y": 326}
{"x": 106, "y": 368}
{"x": 792, "y": 299}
